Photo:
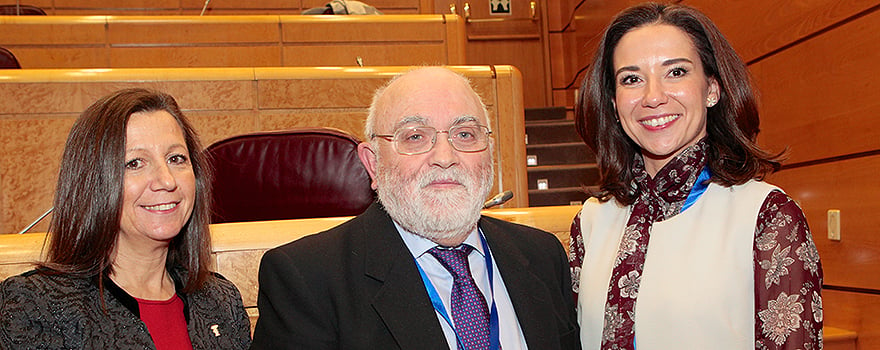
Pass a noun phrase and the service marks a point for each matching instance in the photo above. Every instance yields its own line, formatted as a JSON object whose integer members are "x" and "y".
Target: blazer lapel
{"x": 402, "y": 301}
{"x": 528, "y": 293}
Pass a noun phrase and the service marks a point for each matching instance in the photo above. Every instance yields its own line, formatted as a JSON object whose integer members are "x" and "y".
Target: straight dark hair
{"x": 732, "y": 124}
{"x": 88, "y": 196}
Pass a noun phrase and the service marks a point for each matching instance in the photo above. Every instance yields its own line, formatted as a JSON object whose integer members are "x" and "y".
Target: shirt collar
{"x": 419, "y": 245}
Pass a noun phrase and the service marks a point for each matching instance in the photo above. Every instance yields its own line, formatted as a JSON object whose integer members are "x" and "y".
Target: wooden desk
{"x": 233, "y": 41}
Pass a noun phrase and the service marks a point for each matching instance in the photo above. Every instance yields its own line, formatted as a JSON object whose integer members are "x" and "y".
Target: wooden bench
{"x": 40, "y": 106}
{"x": 233, "y": 41}
{"x": 238, "y": 247}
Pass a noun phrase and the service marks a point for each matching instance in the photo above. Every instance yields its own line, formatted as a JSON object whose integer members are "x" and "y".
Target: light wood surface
{"x": 232, "y": 41}
{"x": 237, "y": 247}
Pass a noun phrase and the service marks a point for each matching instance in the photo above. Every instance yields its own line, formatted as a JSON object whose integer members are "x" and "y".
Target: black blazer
{"x": 356, "y": 286}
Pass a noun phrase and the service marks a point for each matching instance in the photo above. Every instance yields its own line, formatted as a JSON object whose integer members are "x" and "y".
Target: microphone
{"x": 37, "y": 220}
{"x": 498, "y": 199}
{"x": 204, "y": 7}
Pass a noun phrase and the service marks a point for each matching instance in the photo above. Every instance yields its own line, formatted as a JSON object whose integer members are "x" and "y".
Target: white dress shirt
{"x": 510, "y": 332}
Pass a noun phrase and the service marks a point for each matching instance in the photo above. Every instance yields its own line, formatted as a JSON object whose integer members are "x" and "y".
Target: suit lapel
{"x": 401, "y": 302}
{"x": 528, "y": 293}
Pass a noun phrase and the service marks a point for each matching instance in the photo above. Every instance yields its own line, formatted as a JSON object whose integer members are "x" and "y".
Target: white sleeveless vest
{"x": 697, "y": 287}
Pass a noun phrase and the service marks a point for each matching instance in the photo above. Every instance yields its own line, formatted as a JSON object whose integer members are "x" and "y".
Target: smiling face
{"x": 662, "y": 92}
{"x": 159, "y": 183}
{"x": 437, "y": 194}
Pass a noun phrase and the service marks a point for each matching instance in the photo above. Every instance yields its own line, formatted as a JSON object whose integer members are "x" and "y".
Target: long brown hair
{"x": 88, "y": 196}
{"x": 732, "y": 124}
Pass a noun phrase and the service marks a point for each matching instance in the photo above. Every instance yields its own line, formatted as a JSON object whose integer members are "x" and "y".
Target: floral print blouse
{"x": 788, "y": 273}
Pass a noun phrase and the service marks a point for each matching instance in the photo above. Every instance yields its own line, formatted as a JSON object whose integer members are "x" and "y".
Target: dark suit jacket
{"x": 356, "y": 286}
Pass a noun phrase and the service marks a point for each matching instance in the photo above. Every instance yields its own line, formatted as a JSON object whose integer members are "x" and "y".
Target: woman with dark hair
{"x": 683, "y": 246}
{"x": 127, "y": 264}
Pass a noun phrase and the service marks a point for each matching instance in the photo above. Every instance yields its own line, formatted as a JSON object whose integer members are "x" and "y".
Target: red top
{"x": 166, "y": 322}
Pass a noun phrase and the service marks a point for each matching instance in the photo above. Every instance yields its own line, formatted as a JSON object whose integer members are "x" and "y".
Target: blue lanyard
{"x": 494, "y": 337}
{"x": 699, "y": 187}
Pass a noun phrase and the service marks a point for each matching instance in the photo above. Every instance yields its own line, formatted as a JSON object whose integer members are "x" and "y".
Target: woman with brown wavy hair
{"x": 128, "y": 255}
{"x": 683, "y": 246}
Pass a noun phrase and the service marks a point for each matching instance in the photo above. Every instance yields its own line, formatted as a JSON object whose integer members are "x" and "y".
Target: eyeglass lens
{"x": 420, "y": 139}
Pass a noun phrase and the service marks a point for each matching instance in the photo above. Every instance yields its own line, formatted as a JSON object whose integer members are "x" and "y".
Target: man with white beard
{"x": 421, "y": 268}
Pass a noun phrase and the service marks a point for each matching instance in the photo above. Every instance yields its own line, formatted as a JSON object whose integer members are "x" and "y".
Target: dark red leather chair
{"x": 21, "y": 10}
{"x": 300, "y": 173}
{"x": 7, "y": 60}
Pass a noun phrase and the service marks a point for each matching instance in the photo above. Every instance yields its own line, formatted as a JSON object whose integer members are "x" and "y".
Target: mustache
{"x": 454, "y": 174}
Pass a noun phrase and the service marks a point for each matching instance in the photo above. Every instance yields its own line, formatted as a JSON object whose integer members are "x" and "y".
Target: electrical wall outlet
{"x": 834, "y": 224}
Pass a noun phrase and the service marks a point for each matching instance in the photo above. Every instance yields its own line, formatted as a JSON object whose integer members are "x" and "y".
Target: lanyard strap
{"x": 494, "y": 335}
{"x": 699, "y": 188}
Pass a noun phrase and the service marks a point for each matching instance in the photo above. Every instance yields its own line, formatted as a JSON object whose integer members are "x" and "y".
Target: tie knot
{"x": 455, "y": 259}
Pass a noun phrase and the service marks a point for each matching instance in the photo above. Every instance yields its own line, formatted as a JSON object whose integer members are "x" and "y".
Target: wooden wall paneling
{"x": 77, "y": 44}
{"x": 558, "y": 60}
{"x": 428, "y": 6}
{"x": 385, "y": 6}
{"x": 185, "y": 41}
{"x": 815, "y": 97}
{"x": 385, "y": 40}
{"x": 510, "y": 145}
{"x": 456, "y": 40}
{"x": 323, "y": 29}
{"x": 232, "y": 41}
{"x": 850, "y": 186}
{"x": 62, "y": 57}
{"x": 159, "y": 30}
{"x": 517, "y": 39}
{"x": 854, "y": 311}
{"x": 559, "y": 14}
{"x": 379, "y": 54}
{"x": 64, "y": 30}
{"x": 756, "y": 28}
{"x": 215, "y": 5}
{"x": 525, "y": 54}
{"x": 195, "y": 56}
{"x": 110, "y": 4}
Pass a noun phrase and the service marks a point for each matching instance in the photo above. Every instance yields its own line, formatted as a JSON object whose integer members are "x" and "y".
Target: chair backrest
{"x": 21, "y": 10}
{"x": 7, "y": 60}
{"x": 300, "y": 173}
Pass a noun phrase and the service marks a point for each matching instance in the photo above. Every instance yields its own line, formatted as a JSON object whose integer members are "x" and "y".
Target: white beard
{"x": 435, "y": 214}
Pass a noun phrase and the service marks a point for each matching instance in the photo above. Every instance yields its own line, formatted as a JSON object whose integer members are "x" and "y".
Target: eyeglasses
{"x": 420, "y": 139}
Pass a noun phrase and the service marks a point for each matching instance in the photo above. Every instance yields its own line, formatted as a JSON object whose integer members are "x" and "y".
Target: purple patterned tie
{"x": 469, "y": 310}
